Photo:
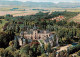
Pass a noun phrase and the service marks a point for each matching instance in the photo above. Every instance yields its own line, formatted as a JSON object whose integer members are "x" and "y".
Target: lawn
{"x": 3, "y": 23}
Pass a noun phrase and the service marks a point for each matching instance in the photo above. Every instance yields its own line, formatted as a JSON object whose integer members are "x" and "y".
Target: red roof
{"x": 34, "y": 43}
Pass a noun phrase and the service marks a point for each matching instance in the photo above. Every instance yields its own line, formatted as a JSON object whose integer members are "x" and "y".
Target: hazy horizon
{"x": 55, "y": 1}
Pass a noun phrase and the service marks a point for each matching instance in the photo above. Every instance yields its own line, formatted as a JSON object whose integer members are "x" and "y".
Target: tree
{"x": 25, "y": 49}
{"x": 62, "y": 54}
{"x": 42, "y": 49}
{"x": 45, "y": 46}
{"x": 79, "y": 53}
{"x": 30, "y": 53}
{"x": 26, "y": 41}
{"x": 17, "y": 29}
{"x": 39, "y": 50}
{"x": 54, "y": 53}
{"x": 44, "y": 24}
{"x": 72, "y": 23}
{"x": 43, "y": 55}
{"x": 49, "y": 48}
{"x": 8, "y": 54}
{"x": 17, "y": 53}
{"x": 70, "y": 56}
{"x": 5, "y": 38}
{"x": 51, "y": 55}
{"x": 54, "y": 42}
{"x": 34, "y": 49}
{"x": 25, "y": 55}
{"x": 16, "y": 43}
{"x": 11, "y": 43}
{"x": 2, "y": 52}
{"x": 0, "y": 21}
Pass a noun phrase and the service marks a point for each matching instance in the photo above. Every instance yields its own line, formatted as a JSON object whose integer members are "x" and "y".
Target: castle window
{"x": 39, "y": 37}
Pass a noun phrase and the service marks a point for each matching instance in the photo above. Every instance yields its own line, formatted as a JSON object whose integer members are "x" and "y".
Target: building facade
{"x": 35, "y": 34}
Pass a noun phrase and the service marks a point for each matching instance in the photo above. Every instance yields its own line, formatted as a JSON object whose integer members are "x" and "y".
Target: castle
{"x": 35, "y": 34}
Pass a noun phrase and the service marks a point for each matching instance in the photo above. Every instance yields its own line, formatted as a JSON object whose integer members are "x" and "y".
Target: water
{"x": 74, "y": 44}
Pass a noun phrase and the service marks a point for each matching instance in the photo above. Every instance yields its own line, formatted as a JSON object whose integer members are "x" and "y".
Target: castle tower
{"x": 35, "y": 33}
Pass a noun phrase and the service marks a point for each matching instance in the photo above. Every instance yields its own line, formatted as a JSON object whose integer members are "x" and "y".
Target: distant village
{"x": 59, "y": 18}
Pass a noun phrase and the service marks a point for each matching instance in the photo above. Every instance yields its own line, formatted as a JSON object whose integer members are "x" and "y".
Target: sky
{"x": 56, "y": 1}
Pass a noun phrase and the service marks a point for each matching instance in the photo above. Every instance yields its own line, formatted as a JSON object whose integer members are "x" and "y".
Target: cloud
{"x": 50, "y": 0}
{"x": 46, "y": 0}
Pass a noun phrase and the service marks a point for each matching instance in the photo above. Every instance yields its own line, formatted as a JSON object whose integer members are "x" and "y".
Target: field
{"x": 67, "y": 9}
{"x": 76, "y": 19}
{"x": 3, "y": 23}
{"x": 28, "y": 11}
{"x": 17, "y": 13}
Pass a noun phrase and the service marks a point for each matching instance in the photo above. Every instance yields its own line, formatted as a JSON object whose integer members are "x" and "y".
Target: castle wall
{"x": 36, "y": 35}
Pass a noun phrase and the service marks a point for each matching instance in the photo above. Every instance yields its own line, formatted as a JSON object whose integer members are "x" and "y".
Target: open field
{"x": 76, "y": 19}
{"x": 28, "y": 11}
{"x": 17, "y": 13}
{"x": 8, "y": 7}
{"x": 23, "y": 13}
{"x": 67, "y": 9}
{"x": 3, "y": 23}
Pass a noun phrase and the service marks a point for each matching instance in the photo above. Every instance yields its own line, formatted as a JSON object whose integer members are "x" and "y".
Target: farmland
{"x": 76, "y": 19}
{"x": 17, "y": 13}
{"x": 22, "y": 10}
